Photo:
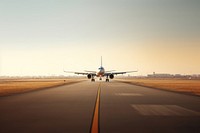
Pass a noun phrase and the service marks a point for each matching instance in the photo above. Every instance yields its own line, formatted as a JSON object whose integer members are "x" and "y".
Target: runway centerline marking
{"x": 95, "y": 120}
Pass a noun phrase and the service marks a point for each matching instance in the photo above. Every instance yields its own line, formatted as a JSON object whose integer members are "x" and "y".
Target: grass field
{"x": 14, "y": 86}
{"x": 178, "y": 85}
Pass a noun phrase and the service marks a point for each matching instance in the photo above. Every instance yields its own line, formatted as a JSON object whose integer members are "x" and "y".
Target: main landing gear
{"x": 107, "y": 79}
{"x": 92, "y": 80}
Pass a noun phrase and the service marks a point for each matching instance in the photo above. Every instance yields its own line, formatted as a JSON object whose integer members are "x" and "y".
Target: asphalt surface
{"x": 123, "y": 108}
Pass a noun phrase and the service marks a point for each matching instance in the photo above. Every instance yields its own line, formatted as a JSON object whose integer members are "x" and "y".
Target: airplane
{"x": 100, "y": 73}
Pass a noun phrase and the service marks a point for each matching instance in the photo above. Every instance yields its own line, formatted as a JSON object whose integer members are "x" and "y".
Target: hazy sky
{"x": 41, "y": 37}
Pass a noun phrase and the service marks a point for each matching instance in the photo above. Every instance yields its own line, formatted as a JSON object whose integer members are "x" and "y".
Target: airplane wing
{"x": 82, "y": 73}
{"x": 90, "y": 71}
{"x": 110, "y": 71}
{"x": 116, "y": 73}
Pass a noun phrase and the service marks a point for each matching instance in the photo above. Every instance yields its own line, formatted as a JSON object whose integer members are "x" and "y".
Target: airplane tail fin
{"x": 101, "y": 61}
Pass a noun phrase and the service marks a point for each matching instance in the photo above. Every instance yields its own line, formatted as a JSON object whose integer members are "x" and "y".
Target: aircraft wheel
{"x": 107, "y": 80}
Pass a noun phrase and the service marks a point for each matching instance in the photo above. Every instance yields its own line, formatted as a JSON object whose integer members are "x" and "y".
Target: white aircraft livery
{"x": 100, "y": 73}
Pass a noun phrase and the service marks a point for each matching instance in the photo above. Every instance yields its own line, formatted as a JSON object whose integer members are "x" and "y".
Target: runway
{"x": 123, "y": 108}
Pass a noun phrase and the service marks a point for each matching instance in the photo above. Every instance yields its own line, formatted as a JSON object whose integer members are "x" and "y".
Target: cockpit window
{"x": 100, "y": 68}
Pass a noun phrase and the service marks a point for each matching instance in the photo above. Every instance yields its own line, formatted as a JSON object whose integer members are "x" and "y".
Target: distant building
{"x": 160, "y": 75}
{"x": 165, "y": 75}
{"x": 178, "y": 76}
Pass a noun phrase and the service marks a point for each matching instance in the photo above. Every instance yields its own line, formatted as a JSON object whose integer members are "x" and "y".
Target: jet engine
{"x": 111, "y": 76}
{"x": 89, "y": 76}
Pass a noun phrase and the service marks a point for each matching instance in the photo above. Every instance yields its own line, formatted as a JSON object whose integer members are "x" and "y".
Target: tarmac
{"x": 119, "y": 107}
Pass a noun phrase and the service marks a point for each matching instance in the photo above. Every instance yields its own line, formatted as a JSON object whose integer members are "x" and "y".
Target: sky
{"x": 43, "y": 37}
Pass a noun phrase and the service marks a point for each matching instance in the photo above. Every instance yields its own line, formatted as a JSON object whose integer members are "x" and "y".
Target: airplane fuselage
{"x": 101, "y": 72}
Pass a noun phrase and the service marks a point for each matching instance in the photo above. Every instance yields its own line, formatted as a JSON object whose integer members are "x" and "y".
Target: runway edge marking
{"x": 95, "y": 120}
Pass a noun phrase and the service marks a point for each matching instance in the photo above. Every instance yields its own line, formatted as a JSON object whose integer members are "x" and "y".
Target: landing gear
{"x": 107, "y": 80}
{"x": 92, "y": 80}
{"x": 100, "y": 78}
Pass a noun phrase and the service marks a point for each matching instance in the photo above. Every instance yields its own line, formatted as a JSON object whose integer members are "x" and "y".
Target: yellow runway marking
{"x": 95, "y": 121}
